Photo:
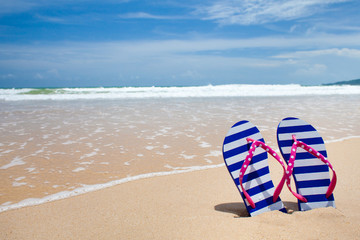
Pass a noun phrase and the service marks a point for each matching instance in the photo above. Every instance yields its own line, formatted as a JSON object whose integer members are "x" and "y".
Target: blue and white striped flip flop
{"x": 245, "y": 155}
{"x": 303, "y": 149}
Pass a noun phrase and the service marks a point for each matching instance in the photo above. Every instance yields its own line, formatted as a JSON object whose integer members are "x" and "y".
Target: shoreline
{"x": 98, "y": 187}
{"x": 193, "y": 205}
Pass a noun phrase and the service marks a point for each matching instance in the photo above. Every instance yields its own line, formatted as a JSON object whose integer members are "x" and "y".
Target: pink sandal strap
{"x": 316, "y": 154}
{"x": 247, "y": 161}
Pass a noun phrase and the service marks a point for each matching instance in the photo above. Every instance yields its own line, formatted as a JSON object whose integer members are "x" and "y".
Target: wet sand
{"x": 195, "y": 205}
{"x": 47, "y": 147}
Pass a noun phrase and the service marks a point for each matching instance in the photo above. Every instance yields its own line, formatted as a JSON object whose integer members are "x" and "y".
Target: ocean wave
{"x": 235, "y": 90}
{"x": 90, "y": 188}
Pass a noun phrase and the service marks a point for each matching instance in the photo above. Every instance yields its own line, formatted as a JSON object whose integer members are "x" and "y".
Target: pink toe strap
{"x": 247, "y": 161}
{"x": 315, "y": 153}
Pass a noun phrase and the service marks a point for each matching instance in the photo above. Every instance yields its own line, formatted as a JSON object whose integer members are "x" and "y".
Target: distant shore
{"x": 350, "y": 82}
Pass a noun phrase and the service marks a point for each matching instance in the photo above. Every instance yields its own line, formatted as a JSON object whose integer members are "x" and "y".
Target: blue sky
{"x": 64, "y": 43}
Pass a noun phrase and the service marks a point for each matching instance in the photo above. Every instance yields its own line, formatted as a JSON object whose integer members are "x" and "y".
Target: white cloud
{"x": 144, "y": 15}
{"x": 293, "y": 28}
{"x": 50, "y": 19}
{"x": 47, "y": 55}
{"x": 12, "y": 6}
{"x": 248, "y": 12}
{"x": 91, "y": 53}
{"x": 16, "y": 6}
{"x": 197, "y": 59}
{"x": 345, "y": 52}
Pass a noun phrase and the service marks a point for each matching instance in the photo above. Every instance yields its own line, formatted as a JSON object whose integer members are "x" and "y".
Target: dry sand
{"x": 197, "y": 205}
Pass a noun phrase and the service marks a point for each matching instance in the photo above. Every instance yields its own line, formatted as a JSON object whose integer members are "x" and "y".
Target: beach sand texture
{"x": 48, "y": 147}
{"x": 196, "y": 205}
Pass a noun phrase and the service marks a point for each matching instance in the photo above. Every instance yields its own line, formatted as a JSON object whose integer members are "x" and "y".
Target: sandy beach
{"x": 48, "y": 147}
{"x": 196, "y": 205}
{"x": 123, "y": 119}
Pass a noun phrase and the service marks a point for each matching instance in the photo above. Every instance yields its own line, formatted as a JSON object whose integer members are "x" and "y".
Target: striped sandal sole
{"x": 256, "y": 179}
{"x": 311, "y": 175}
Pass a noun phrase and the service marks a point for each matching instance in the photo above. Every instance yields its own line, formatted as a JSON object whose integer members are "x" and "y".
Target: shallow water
{"x": 47, "y": 147}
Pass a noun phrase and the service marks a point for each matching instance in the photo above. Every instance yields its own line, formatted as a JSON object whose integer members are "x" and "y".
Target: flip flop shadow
{"x": 240, "y": 211}
{"x": 236, "y": 208}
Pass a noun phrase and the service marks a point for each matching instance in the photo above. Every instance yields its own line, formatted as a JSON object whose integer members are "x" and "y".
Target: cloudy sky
{"x": 62, "y": 43}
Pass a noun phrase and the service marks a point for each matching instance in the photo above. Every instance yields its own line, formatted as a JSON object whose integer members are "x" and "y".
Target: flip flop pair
{"x": 245, "y": 154}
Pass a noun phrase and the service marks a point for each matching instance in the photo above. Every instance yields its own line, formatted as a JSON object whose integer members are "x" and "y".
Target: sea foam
{"x": 235, "y": 90}
{"x": 90, "y": 188}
